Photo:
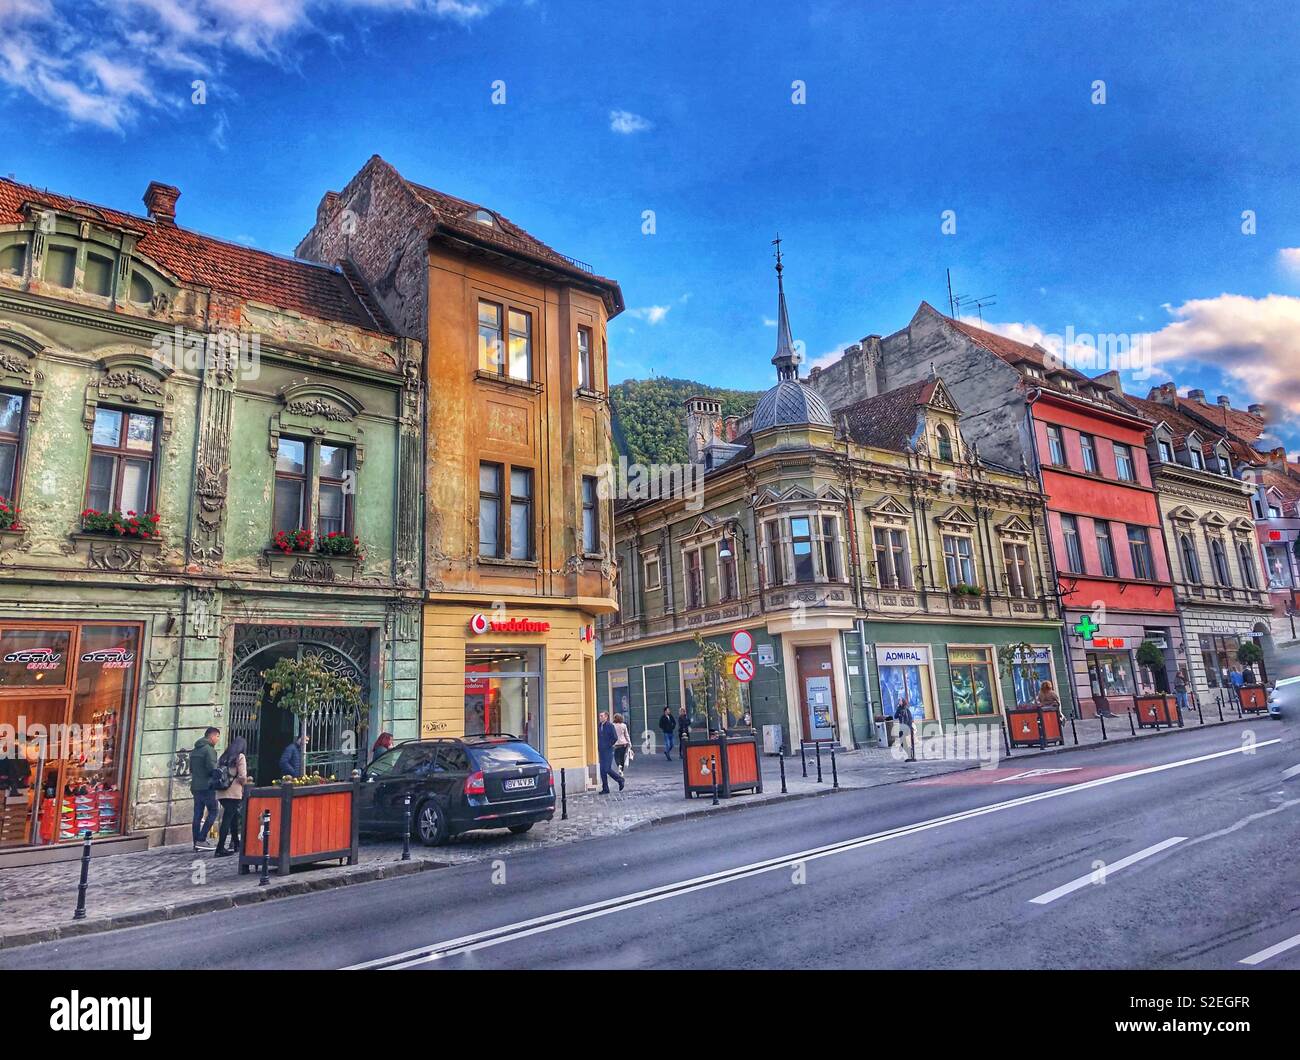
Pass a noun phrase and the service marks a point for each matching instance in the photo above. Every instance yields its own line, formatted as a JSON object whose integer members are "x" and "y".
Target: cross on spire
{"x": 786, "y": 359}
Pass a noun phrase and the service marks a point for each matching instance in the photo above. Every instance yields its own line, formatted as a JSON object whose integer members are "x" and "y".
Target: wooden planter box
{"x": 1254, "y": 699}
{"x": 1154, "y": 711}
{"x": 737, "y": 764}
{"x": 309, "y": 822}
{"x": 1033, "y": 726}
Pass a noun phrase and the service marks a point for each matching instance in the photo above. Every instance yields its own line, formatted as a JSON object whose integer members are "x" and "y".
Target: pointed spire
{"x": 786, "y": 360}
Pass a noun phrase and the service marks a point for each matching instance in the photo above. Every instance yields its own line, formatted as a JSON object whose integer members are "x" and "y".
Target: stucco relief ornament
{"x": 128, "y": 379}
{"x": 116, "y": 557}
{"x": 319, "y": 407}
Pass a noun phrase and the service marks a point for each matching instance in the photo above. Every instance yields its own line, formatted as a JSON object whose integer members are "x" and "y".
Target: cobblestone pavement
{"x": 174, "y": 881}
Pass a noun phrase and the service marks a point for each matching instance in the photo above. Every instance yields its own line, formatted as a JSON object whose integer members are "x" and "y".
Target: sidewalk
{"x": 170, "y": 882}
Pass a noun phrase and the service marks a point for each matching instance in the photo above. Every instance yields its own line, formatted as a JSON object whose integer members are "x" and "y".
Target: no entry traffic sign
{"x": 742, "y": 642}
{"x": 743, "y": 669}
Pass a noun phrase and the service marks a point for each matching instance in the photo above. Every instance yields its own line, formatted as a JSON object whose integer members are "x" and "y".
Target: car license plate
{"x": 515, "y": 783}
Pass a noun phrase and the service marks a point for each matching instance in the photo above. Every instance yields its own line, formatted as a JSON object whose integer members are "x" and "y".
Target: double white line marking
{"x": 537, "y": 925}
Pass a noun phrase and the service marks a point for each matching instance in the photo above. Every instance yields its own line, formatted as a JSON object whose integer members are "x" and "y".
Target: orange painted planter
{"x": 736, "y": 759}
{"x": 1157, "y": 710}
{"x": 1034, "y": 727}
{"x": 308, "y": 823}
{"x": 1254, "y": 699}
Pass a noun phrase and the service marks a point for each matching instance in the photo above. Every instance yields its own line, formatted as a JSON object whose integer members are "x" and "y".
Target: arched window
{"x": 1191, "y": 565}
{"x": 1247, "y": 561}
{"x": 1220, "y": 562}
{"x": 945, "y": 443}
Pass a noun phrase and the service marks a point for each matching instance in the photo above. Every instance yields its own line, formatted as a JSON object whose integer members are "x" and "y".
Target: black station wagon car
{"x": 457, "y": 785}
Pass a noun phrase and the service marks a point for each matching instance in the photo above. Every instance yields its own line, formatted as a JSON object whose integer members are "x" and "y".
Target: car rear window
{"x": 495, "y": 756}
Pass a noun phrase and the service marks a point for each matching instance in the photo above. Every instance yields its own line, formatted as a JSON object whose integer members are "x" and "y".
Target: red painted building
{"x": 1107, "y": 543}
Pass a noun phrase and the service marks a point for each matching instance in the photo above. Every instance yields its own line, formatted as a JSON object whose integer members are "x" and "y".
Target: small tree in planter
{"x": 1251, "y": 654}
{"x": 1013, "y": 658}
{"x": 304, "y": 686}
{"x": 712, "y": 687}
{"x": 1150, "y": 656}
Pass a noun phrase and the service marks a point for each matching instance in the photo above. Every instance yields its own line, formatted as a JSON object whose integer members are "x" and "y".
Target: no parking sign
{"x": 743, "y": 669}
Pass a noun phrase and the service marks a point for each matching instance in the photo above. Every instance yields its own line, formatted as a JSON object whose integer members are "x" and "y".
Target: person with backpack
{"x": 668, "y": 726}
{"x": 203, "y": 760}
{"x": 229, "y": 779}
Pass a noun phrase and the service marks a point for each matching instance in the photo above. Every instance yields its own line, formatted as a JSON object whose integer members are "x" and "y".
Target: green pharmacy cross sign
{"x": 1086, "y": 627}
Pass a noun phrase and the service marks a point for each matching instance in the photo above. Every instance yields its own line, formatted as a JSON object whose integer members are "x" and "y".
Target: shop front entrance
{"x": 336, "y": 736}
{"x": 817, "y": 712}
{"x": 67, "y": 707}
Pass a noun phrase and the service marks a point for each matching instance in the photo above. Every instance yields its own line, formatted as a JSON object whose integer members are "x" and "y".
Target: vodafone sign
{"x": 480, "y": 624}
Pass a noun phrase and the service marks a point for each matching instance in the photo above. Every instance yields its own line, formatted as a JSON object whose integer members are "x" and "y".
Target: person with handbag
{"x": 203, "y": 760}
{"x": 232, "y": 769}
{"x": 622, "y": 745}
{"x": 668, "y": 726}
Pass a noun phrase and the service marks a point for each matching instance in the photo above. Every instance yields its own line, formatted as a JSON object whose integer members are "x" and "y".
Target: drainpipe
{"x": 866, "y": 678}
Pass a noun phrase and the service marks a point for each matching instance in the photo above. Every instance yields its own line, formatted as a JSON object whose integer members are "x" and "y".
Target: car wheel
{"x": 431, "y": 824}
{"x": 520, "y": 829}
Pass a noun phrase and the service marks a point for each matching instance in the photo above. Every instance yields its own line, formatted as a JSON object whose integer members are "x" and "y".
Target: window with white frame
{"x": 1020, "y": 578}
{"x": 958, "y": 560}
{"x": 650, "y": 570}
{"x": 893, "y": 558}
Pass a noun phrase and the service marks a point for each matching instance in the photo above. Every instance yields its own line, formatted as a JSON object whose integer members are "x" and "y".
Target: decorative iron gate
{"x": 335, "y": 735}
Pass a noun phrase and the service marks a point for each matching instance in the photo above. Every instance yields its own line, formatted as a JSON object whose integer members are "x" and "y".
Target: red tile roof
{"x": 304, "y": 287}
{"x": 1178, "y": 422}
{"x": 888, "y": 420}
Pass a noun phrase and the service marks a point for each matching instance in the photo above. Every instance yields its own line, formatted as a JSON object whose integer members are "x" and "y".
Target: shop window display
{"x": 503, "y": 693}
{"x": 971, "y": 672}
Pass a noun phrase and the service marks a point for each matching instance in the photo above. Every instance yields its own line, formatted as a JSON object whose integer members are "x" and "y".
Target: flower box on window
{"x": 142, "y": 526}
{"x": 9, "y": 517}
{"x": 338, "y": 544}
{"x": 291, "y": 541}
{"x": 967, "y": 590}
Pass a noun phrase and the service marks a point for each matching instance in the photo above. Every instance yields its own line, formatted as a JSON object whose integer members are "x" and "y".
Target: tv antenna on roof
{"x": 961, "y": 302}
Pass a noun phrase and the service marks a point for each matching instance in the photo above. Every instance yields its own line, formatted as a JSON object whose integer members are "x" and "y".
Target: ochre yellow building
{"x": 518, "y": 544}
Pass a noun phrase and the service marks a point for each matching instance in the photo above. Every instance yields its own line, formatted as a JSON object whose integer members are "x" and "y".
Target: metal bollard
{"x": 1131, "y": 729}
{"x": 1219, "y": 703}
{"x": 406, "y": 829}
{"x": 713, "y": 772}
{"x": 264, "y": 876}
{"x": 80, "y": 912}
{"x": 1074, "y": 731}
{"x": 780, "y": 758}
{"x": 803, "y": 758}
{"x": 1006, "y": 739}
{"x": 818, "y": 748}
{"x": 1198, "y": 710}
{"x": 564, "y": 797}
{"x": 1102, "y": 719}
{"x": 835, "y": 777}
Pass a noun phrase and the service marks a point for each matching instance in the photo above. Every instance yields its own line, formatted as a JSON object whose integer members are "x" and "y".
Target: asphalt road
{"x": 1175, "y": 852}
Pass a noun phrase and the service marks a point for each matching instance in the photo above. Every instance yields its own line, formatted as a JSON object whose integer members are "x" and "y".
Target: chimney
{"x": 1257, "y": 411}
{"x": 1165, "y": 393}
{"x": 1224, "y": 401}
{"x": 160, "y": 201}
{"x": 326, "y": 207}
{"x": 1196, "y": 395}
{"x": 731, "y": 428}
{"x": 703, "y": 426}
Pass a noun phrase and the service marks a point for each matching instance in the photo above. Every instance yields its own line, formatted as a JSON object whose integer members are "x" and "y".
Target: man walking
{"x": 203, "y": 760}
{"x": 606, "y": 737}
{"x": 1237, "y": 679}
{"x": 1180, "y": 690}
{"x": 291, "y": 760}
{"x": 668, "y": 726}
{"x": 903, "y": 717}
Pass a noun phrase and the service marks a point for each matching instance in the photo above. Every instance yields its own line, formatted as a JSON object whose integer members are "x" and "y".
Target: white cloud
{"x": 768, "y": 322}
{"x": 1289, "y": 259}
{"x": 624, "y": 121}
{"x": 651, "y": 314}
{"x": 105, "y": 63}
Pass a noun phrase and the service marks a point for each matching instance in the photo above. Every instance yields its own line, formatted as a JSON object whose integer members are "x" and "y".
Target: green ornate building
{"x": 231, "y": 393}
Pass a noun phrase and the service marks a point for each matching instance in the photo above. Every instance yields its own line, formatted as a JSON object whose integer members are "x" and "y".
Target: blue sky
{"x": 1123, "y": 216}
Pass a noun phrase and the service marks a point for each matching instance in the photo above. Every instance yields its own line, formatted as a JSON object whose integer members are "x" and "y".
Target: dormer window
{"x": 483, "y": 217}
{"x": 1166, "y": 452}
{"x": 945, "y": 443}
{"x": 1195, "y": 455}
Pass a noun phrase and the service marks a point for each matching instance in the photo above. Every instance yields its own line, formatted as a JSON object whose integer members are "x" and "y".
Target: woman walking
{"x": 232, "y": 798}
{"x": 623, "y": 744}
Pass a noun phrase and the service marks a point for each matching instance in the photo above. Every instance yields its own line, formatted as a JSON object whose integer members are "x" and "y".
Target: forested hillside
{"x": 650, "y": 415}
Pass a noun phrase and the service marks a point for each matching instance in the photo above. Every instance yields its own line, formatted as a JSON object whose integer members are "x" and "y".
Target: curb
{"x": 181, "y": 910}
{"x": 1035, "y": 753}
